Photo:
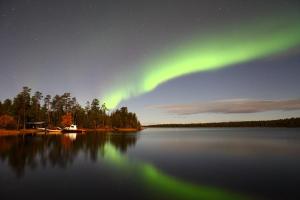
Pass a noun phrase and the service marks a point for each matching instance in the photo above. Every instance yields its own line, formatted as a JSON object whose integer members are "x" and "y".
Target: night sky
{"x": 168, "y": 61}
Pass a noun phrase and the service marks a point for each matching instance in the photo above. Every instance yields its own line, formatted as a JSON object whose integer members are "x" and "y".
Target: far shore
{"x": 5, "y": 132}
{"x": 278, "y": 123}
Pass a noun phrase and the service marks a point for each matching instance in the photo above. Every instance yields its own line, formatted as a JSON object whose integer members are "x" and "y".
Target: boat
{"x": 41, "y": 129}
{"x": 55, "y": 130}
{"x": 72, "y": 129}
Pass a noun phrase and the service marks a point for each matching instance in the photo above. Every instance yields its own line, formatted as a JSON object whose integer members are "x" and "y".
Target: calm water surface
{"x": 169, "y": 163}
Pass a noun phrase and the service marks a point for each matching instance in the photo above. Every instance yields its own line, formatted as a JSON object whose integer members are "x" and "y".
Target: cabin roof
{"x": 35, "y": 123}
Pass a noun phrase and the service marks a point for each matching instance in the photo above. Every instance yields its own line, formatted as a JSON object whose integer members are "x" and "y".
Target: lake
{"x": 156, "y": 163}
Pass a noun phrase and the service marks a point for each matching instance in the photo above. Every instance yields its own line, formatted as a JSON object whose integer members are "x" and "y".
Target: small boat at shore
{"x": 55, "y": 130}
{"x": 72, "y": 129}
{"x": 52, "y": 130}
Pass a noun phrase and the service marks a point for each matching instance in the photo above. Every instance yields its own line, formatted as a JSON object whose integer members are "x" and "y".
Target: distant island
{"x": 291, "y": 122}
{"x": 26, "y": 111}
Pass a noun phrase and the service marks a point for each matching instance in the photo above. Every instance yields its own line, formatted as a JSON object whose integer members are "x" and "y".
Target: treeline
{"x": 291, "y": 122}
{"x": 61, "y": 110}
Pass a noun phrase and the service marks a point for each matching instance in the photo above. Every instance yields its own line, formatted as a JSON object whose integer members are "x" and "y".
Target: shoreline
{"x": 113, "y": 129}
{"x": 4, "y": 132}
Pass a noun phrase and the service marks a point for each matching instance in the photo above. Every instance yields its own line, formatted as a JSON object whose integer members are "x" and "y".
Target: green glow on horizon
{"x": 216, "y": 51}
{"x": 154, "y": 179}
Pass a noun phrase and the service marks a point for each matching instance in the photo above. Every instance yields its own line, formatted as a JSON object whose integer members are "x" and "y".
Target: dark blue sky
{"x": 85, "y": 47}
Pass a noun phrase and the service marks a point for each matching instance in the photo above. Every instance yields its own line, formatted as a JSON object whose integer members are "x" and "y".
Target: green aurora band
{"x": 160, "y": 184}
{"x": 215, "y": 51}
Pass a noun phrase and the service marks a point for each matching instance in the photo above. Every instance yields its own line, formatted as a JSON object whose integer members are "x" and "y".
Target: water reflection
{"x": 71, "y": 136}
{"x": 184, "y": 164}
{"x": 162, "y": 185}
{"x": 56, "y": 150}
{"x": 61, "y": 150}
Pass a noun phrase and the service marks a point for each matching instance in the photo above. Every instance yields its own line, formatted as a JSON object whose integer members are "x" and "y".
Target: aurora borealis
{"x": 172, "y": 99}
{"x": 213, "y": 52}
{"x": 148, "y": 54}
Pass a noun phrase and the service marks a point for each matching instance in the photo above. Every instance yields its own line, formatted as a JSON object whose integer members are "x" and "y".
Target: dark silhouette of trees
{"x": 21, "y": 105}
{"x": 6, "y": 107}
{"x": 35, "y": 108}
{"x": 32, "y": 108}
{"x": 291, "y": 122}
{"x": 46, "y": 108}
{"x": 95, "y": 113}
{"x": 121, "y": 118}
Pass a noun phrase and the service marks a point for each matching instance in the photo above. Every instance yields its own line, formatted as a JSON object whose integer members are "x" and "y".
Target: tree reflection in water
{"x": 57, "y": 150}
{"x": 61, "y": 150}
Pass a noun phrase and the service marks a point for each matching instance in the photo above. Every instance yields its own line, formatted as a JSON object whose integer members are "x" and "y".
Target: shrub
{"x": 7, "y": 122}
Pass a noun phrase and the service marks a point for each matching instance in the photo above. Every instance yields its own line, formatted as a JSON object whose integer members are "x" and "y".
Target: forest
{"x": 61, "y": 110}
